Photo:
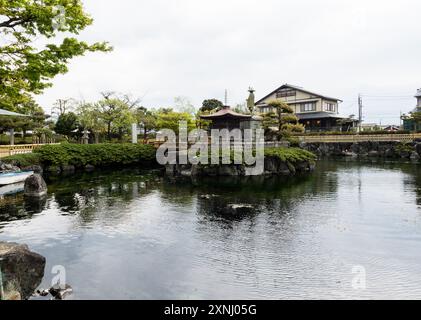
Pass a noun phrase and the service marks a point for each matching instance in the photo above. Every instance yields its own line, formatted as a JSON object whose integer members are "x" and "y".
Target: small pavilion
{"x": 229, "y": 119}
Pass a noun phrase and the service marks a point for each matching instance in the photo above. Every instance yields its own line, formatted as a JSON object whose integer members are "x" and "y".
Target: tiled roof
{"x": 10, "y": 113}
{"x": 226, "y": 112}
{"x": 299, "y": 89}
{"x": 318, "y": 115}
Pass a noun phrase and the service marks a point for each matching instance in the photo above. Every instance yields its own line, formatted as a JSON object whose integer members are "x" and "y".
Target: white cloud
{"x": 198, "y": 48}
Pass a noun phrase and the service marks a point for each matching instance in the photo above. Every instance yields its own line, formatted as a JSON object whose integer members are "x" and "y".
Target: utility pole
{"x": 226, "y": 97}
{"x": 400, "y": 119}
{"x": 360, "y": 112}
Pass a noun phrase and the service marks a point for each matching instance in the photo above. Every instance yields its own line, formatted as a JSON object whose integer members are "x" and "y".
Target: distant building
{"x": 378, "y": 127}
{"x": 391, "y": 128}
{"x": 370, "y": 127}
{"x": 315, "y": 111}
{"x": 408, "y": 123}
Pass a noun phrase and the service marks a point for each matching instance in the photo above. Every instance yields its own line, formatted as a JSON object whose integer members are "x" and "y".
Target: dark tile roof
{"x": 284, "y": 86}
{"x": 10, "y": 113}
{"x": 318, "y": 115}
{"x": 226, "y": 112}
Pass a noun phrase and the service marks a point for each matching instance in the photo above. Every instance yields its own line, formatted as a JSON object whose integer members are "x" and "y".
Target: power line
{"x": 388, "y": 96}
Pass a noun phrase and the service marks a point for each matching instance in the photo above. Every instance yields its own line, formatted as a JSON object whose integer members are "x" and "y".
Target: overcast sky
{"x": 197, "y": 49}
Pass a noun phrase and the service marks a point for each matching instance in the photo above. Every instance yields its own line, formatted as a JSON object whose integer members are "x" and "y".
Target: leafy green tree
{"x": 26, "y": 68}
{"x": 89, "y": 119}
{"x": 67, "y": 124}
{"x": 117, "y": 113}
{"x": 281, "y": 108}
{"x": 283, "y": 118}
{"x": 43, "y": 134}
{"x": 416, "y": 117}
{"x": 147, "y": 120}
{"x": 165, "y": 110}
{"x": 36, "y": 119}
{"x": 211, "y": 104}
{"x": 171, "y": 120}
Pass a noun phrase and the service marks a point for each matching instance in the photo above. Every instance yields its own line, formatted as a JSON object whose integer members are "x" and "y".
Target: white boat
{"x": 12, "y": 189}
{"x": 14, "y": 177}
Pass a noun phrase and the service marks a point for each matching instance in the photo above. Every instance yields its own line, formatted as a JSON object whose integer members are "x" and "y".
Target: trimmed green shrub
{"x": 23, "y": 160}
{"x": 293, "y": 141}
{"x": 291, "y": 155}
{"x": 100, "y": 155}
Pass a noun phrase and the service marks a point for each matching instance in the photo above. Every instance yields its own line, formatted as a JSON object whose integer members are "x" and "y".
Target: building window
{"x": 306, "y": 107}
{"x": 330, "y": 107}
{"x": 283, "y": 93}
{"x": 266, "y": 109}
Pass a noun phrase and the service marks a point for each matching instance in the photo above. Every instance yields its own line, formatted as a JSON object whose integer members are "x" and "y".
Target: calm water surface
{"x": 134, "y": 235}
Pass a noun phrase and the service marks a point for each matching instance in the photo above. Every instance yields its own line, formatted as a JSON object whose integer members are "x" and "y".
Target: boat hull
{"x": 14, "y": 177}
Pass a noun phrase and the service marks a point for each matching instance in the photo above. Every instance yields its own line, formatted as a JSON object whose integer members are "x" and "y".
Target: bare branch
{"x": 11, "y": 23}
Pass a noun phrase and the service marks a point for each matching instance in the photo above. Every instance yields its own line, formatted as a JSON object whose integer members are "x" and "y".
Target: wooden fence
{"x": 6, "y": 151}
{"x": 360, "y": 138}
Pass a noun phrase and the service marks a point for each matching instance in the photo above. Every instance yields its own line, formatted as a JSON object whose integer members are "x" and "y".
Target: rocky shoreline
{"x": 273, "y": 166}
{"x": 370, "y": 149}
{"x": 22, "y": 270}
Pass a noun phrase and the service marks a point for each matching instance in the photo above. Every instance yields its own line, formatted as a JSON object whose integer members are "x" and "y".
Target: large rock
{"x": 415, "y": 156}
{"x": 35, "y": 186}
{"x": 22, "y": 269}
{"x": 284, "y": 169}
{"x": 418, "y": 148}
{"x": 271, "y": 165}
{"x": 390, "y": 153}
{"x": 228, "y": 170}
{"x": 350, "y": 154}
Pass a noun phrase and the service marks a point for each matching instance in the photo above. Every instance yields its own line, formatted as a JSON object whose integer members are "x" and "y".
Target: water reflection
{"x": 137, "y": 235}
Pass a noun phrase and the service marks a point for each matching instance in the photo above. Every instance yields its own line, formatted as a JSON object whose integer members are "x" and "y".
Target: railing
{"x": 6, "y": 151}
{"x": 361, "y": 138}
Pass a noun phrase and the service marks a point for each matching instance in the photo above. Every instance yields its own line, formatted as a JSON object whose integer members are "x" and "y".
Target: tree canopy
{"x": 283, "y": 118}
{"x": 211, "y": 104}
{"x": 116, "y": 111}
{"x": 26, "y": 67}
{"x": 66, "y": 124}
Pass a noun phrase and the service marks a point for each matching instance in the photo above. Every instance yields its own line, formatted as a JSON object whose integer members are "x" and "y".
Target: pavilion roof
{"x": 11, "y": 114}
{"x": 226, "y": 112}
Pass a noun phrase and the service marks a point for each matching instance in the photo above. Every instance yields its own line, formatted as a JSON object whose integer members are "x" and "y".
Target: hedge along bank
{"x": 67, "y": 157}
{"x": 79, "y": 156}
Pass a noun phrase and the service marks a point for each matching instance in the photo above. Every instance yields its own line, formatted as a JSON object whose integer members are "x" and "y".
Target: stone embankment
{"x": 273, "y": 167}
{"x": 369, "y": 149}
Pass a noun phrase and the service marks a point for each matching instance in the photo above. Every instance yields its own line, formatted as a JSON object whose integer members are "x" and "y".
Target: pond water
{"x": 349, "y": 230}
